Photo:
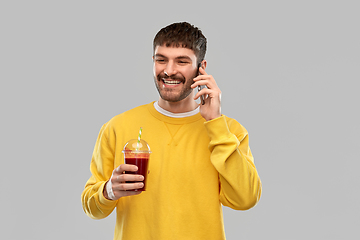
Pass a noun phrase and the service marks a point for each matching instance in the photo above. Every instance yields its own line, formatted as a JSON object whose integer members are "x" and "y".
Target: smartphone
{"x": 201, "y": 87}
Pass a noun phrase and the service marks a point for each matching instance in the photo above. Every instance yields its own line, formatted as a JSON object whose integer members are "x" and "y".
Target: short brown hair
{"x": 182, "y": 34}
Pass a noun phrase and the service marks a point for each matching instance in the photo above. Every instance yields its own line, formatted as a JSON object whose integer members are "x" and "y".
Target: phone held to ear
{"x": 201, "y": 87}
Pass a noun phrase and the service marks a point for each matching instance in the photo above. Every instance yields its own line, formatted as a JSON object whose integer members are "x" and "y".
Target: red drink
{"x": 142, "y": 163}
{"x": 137, "y": 152}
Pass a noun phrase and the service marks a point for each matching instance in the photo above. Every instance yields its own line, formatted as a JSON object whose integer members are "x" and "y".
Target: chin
{"x": 176, "y": 98}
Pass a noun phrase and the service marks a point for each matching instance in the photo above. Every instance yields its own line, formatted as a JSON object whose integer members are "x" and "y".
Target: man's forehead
{"x": 174, "y": 52}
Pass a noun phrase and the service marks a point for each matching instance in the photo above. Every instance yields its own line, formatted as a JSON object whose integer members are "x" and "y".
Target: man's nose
{"x": 170, "y": 69}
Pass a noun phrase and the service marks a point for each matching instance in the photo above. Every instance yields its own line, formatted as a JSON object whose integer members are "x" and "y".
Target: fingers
{"x": 211, "y": 90}
{"x": 127, "y": 186}
{"x": 212, "y": 95}
{"x": 126, "y": 167}
{"x": 202, "y": 71}
{"x": 122, "y": 178}
{"x": 123, "y": 183}
{"x": 206, "y": 80}
{"x": 127, "y": 193}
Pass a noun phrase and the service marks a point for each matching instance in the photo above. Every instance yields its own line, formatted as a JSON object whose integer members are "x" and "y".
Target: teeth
{"x": 171, "y": 81}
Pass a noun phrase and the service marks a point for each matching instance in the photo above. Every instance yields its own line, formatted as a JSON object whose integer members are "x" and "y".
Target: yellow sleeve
{"x": 94, "y": 203}
{"x": 231, "y": 156}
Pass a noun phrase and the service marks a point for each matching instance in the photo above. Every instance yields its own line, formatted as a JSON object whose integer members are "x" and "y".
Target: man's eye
{"x": 160, "y": 60}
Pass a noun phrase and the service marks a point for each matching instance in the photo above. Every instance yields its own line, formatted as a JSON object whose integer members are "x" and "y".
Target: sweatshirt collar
{"x": 175, "y": 115}
{"x": 174, "y": 120}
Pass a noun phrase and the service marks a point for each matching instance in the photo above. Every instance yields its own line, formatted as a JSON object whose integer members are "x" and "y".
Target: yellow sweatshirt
{"x": 195, "y": 166}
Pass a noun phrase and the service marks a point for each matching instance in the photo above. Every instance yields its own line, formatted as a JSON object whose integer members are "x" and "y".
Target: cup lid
{"x": 135, "y": 145}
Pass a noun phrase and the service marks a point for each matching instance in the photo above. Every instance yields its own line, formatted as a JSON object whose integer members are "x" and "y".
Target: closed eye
{"x": 183, "y": 62}
{"x": 160, "y": 60}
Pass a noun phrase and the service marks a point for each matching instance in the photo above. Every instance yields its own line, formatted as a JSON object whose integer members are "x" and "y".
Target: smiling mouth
{"x": 171, "y": 82}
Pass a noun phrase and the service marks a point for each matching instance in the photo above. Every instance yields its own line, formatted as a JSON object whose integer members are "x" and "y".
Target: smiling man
{"x": 200, "y": 158}
{"x": 175, "y": 69}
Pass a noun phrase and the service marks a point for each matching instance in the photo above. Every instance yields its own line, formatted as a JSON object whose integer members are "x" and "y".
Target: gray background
{"x": 288, "y": 70}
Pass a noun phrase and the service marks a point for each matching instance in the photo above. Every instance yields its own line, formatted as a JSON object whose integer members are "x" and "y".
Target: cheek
{"x": 156, "y": 70}
{"x": 191, "y": 74}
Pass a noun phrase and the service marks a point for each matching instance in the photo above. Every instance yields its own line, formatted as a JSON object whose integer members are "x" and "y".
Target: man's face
{"x": 174, "y": 70}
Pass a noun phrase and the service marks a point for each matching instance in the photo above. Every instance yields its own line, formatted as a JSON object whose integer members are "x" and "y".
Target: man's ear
{"x": 203, "y": 64}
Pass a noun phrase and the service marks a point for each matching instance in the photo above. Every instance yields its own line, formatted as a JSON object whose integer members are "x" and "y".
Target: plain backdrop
{"x": 288, "y": 71}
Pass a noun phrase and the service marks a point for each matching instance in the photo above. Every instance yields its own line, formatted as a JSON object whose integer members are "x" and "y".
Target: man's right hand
{"x": 116, "y": 187}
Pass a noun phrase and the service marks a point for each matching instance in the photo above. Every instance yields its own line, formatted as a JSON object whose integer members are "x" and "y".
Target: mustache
{"x": 178, "y": 77}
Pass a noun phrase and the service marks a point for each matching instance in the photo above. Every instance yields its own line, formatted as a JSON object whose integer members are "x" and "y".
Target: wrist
{"x": 213, "y": 117}
{"x": 105, "y": 191}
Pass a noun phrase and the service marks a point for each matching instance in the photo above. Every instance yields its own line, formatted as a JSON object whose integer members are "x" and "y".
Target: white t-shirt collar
{"x": 175, "y": 115}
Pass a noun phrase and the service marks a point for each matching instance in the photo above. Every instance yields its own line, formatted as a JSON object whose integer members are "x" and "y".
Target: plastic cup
{"x": 137, "y": 153}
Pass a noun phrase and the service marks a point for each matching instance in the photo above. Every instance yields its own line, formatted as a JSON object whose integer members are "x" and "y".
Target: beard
{"x": 171, "y": 94}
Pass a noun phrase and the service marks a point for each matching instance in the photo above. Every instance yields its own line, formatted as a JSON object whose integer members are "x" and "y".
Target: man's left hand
{"x": 212, "y": 95}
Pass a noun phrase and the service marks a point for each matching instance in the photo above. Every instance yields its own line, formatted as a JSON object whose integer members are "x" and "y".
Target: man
{"x": 200, "y": 158}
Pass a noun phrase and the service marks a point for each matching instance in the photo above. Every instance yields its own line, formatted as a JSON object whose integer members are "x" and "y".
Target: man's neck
{"x": 182, "y": 106}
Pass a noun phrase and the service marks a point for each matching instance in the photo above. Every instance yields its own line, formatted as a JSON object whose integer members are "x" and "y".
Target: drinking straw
{"x": 139, "y": 137}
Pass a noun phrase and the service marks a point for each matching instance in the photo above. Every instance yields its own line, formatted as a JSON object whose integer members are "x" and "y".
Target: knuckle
{"x": 121, "y": 178}
{"x": 122, "y": 187}
{"x": 120, "y": 168}
{"x": 113, "y": 179}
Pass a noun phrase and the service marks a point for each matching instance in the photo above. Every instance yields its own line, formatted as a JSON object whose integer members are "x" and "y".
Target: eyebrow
{"x": 179, "y": 57}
